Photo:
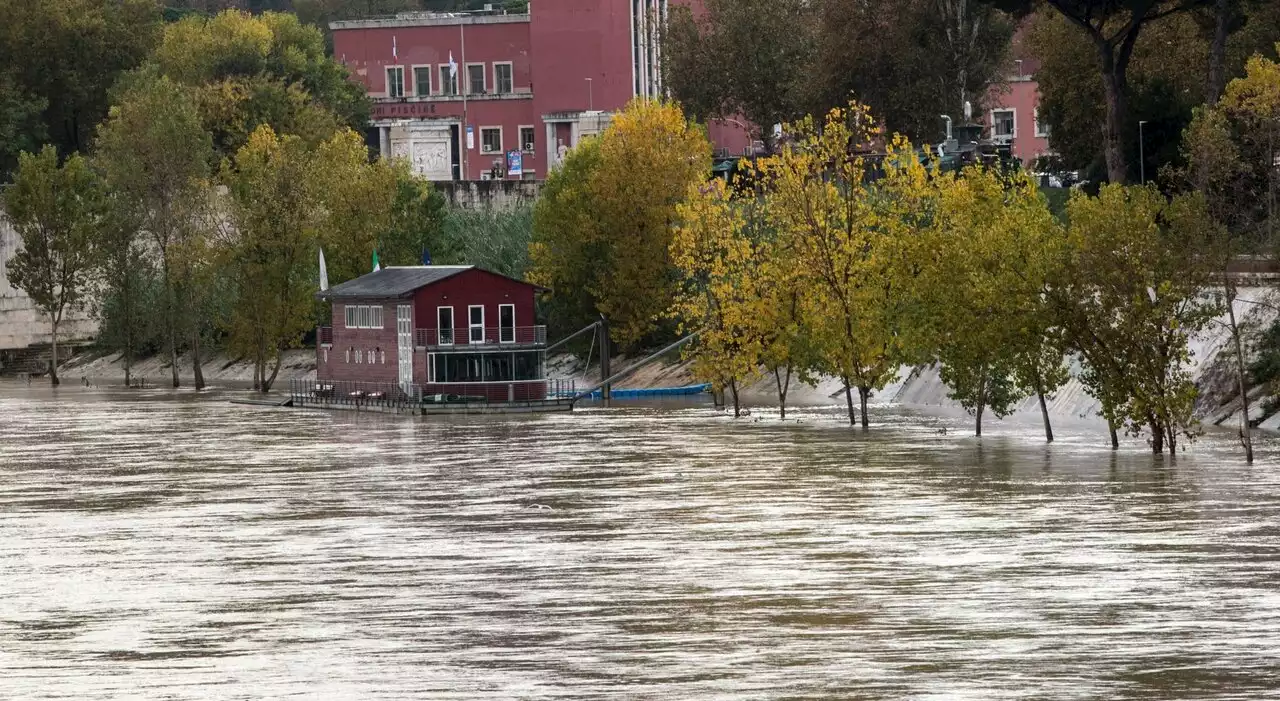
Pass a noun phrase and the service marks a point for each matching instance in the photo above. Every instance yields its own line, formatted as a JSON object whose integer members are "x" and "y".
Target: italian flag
{"x": 376, "y": 265}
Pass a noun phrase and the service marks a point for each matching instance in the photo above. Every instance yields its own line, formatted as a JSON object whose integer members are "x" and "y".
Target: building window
{"x": 395, "y": 81}
{"x": 475, "y": 79}
{"x": 490, "y": 139}
{"x": 527, "y": 136}
{"x": 348, "y": 356}
{"x": 1003, "y": 124}
{"x": 475, "y": 325}
{"x": 502, "y": 78}
{"x": 448, "y": 81}
{"x": 1042, "y": 128}
{"x": 363, "y": 317}
{"x": 506, "y": 323}
{"x": 444, "y": 325}
{"x": 382, "y": 357}
{"x": 422, "y": 80}
{"x": 359, "y": 357}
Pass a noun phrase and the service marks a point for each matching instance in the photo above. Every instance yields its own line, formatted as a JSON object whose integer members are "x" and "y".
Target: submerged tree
{"x": 56, "y": 212}
{"x": 155, "y": 157}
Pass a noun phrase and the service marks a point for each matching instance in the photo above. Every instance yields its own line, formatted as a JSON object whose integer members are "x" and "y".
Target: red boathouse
{"x": 440, "y": 332}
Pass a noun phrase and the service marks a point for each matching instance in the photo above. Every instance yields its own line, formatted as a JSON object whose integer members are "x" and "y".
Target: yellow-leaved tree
{"x": 843, "y": 245}
{"x": 720, "y": 294}
{"x": 993, "y": 248}
{"x": 602, "y": 232}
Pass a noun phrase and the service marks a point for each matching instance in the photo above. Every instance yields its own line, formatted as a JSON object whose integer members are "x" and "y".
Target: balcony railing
{"x": 470, "y": 337}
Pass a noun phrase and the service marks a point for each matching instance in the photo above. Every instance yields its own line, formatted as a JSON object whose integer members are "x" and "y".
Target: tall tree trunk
{"x": 1157, "y": 435}
{"x": 1246, "y": 431}
{"x": 1115, "y": 435}
{"x": 171, "y": 331}
{"x": 848, "y": 398}
{"x": 266, "y": 386}
{"x": 128, "y": 341}
{"x": 53, "y": 358}
{"x": 1217, "y": 74}
{"x": 1115, "y": 67}
{"x": 195, "y": 358}
{"x": 863, "y": 394}
{"x": 982, "y": 404}
{"x": 1171, "y": 433}
{"x": 733, "y": 390}
{"x": 784, "y": 385}
{"x": 1044, "y": 413}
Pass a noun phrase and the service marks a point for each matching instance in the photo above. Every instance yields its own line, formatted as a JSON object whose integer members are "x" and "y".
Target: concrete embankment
{"x": 919, "y": 387}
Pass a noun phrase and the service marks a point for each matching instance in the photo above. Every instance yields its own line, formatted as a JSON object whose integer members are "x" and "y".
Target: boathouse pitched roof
{"x": 401, "y": 281}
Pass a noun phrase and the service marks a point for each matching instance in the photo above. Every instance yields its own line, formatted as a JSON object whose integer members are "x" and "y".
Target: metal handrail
{"x": 477, "y": 336}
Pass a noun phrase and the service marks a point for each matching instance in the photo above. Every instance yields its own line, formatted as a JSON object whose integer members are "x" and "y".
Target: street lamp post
{"x": 1142, "y": 160}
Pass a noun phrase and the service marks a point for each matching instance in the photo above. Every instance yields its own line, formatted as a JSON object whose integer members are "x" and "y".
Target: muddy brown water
{"x": 155, "y": 546}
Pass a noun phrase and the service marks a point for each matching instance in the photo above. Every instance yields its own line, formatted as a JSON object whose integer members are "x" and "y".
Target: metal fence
{"x": 488, "y": 336}
{"x": 391, "y": 396}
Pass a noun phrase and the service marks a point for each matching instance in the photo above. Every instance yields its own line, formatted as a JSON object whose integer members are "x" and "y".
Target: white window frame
{"x": 483, "y": 148}
{"x": 1041, "y": 133}
{"x": 440, "y": 84}
{"x": 417, "y": 89}
{"x": 359, "y": 357}
{"x": 1014, "y": 133}
{"x": 502, "y": 329}
{"x": 348, "y": 355}
{"x": 473, "y": 326}
{"x": 431, "y": 367}
{"x": 389, "y": 71}
{"x": 534, "y": 142}
{"x": 349, "y": 312}
{"x": 484, "y": 77}
{"x": 453, "y": 325}
{"x": 497, "y": 84}
{"x": 375, "y": 316}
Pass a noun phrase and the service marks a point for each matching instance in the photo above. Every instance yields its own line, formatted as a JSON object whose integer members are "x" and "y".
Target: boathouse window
{"x": 364, "y": 317}
{"x": 484, "y": 367}
{"x": 371, "y": 357}
{"x": 476, "y": 327}
{"x": 444, "y": 325}
{"x": 506, "y": 323}
{"x": 348, "y": 356}
{"x": 359, "y": 357}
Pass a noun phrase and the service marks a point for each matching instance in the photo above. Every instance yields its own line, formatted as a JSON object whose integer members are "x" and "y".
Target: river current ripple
{"x": 162, "y": 547}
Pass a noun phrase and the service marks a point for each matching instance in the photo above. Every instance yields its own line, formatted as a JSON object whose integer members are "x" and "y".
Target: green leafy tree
{"x": 56, "y": 212}
{"x": 123, "y": 272}
{"x": 1129, "y": 298}
{"x": 909, "y": 60}
{"x": 1112, "y": 30}
{"x": 417, "y": 223}
{"x": 493, "y": 239}
{"x": 738, "y": 60}
{"x": 602, "y": 229}
{"x": 61, "y": 57}
{"x": 155, "y": 156}
{"x": 253, "y": 70}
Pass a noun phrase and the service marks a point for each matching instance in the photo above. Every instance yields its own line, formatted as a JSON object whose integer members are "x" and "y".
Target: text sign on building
{"x": 471, "y": 137}
{"x": 515, "y": 164}
{"x": 403, "y": 109}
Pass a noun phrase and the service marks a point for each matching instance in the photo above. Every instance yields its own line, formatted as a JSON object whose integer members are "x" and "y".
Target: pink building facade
{"x": 526, "y": 87}
{"x": 1014, "y": 115}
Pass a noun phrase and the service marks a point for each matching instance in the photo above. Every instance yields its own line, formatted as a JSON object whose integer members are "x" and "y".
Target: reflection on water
{"x": 161, "y": 547}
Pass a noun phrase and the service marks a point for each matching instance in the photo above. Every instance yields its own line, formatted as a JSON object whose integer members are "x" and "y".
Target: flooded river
{"x": 154, "y": 547}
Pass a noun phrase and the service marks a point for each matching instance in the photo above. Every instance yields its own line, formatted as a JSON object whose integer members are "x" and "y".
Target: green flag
{"x": 376, "y": 265}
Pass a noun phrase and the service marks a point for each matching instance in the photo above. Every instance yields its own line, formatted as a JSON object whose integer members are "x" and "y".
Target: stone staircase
{"x": 32, "y": 360}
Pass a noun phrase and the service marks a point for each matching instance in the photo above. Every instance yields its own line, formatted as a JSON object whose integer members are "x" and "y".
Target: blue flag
{"x": 426, "y": 257}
